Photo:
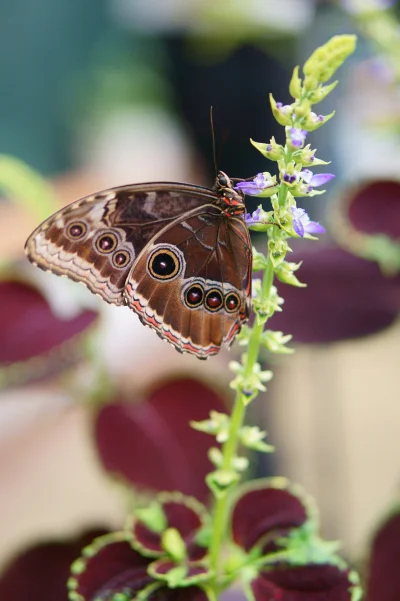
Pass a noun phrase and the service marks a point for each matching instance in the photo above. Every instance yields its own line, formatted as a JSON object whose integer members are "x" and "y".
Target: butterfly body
{"x": 178, "y": 255}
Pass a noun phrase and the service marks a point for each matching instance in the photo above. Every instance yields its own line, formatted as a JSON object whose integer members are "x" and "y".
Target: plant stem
{"x": 238, "y": 412}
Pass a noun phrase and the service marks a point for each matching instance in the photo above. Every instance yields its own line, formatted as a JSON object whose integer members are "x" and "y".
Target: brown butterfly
{"x": 178, "y": 255}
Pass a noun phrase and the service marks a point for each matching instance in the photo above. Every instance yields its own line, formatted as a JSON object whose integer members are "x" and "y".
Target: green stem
{"x": 231, "y": 444}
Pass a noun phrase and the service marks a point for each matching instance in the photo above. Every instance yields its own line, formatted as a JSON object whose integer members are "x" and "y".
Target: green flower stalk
{"x": 286, "y": 220}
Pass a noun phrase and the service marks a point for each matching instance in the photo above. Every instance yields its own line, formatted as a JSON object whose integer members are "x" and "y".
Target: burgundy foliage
{"x": 151, "y": 444}
{"x": 40, "y": 573}
{"x": 383, "y": 582}
{"x": 374, "y": 208}
{"x": 346, "y": 297}
{"x": 307, "y": 583}
{"x": 29, "y": 327}
{"x": 263, "y": 511}
{"x": 114, "y": 568}
{"x": 178, "y": 516}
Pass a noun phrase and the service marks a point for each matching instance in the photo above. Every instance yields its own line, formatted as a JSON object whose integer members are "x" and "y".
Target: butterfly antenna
{"x": 213, "y": 140}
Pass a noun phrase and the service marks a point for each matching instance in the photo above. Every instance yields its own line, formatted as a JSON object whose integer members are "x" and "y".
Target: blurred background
{"x": 108, "y": 92}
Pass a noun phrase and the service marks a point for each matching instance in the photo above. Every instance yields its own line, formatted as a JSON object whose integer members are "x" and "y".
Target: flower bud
{"x": 277, "y": 251}
{"x": 295, "y": 84}
{"x": 314, "y": 121}
{"x": 272, "y": 151}
{"x": 302, "y": 109}
{"x": 282, "y": 113}
{"x": 322, "y": 92}
{"x": 285, "y": 273}
{"x": 326, "y": 59}
{"x": 307, "y": 158}
{"x": 310, "y": 82}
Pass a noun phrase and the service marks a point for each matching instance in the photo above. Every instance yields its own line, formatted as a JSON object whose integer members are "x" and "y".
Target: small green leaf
{"x": 173, "y": 544}
{"x": 153, "y": 517}
{"x": 259, "y": 260}
{"x": 252, "y": 438}
{"x": 220, "y": 481}
{"x": 277, "y": 249}
{"x": 312, "y": 122}
{"x": 275, "y": 342}
{"x": 271, "y": 151}
{"x": 322, "y": 92}
{"x": 175, "y": 576}
{"x": 248, "y": 385}
{"x": 285, "y": 273}
{"x": 215, "y": 456}
{"x": 284, "y": 117}
{"x": 240, "y": 464}
{"x": 218, "y": 425}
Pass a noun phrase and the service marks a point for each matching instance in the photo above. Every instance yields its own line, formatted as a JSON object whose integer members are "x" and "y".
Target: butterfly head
{"x": 231, "y": 200}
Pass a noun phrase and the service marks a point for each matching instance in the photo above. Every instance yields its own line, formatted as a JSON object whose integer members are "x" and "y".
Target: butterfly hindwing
{"x": 191, "y": 283}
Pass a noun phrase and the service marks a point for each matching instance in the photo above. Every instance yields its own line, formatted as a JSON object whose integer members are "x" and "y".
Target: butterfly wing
{"x": 192, "y": 282}
{"x": 97, "y": 239}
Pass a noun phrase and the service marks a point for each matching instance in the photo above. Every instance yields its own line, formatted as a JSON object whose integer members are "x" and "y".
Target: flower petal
{"x": 383, "y": 583}
{"x": 346, "y": 297}
{"x": 172, "y": 455}
{"x": 264, "y": 508}
{"x": 320, "y": 179}
{"x": 313, "y": 227}
{"x": 249, "y": 188}
{"x": 305, "y": 583}
{"x": 109, "y": 566}
{"x": 297, "y": 136}
{"x": 43, "y": 570}
{"x": 298, "y": 227}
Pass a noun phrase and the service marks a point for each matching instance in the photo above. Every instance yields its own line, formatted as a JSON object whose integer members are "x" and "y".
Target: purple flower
{"x": 256, "y": 186}
{"x": 284, "y": 108}
{"x": 316, "y": 118}
{"x": 302, "y": 224}
{"x": 290, "y": 178}
{"x": 314, "y": 181}
{"x": 298, "y": 136}
{"x": 254, "y": 218}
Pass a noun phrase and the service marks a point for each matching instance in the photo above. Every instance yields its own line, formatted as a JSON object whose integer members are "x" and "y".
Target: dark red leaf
{"x": 183, "y": 514}
{"x": 305, "y": 583}
{"x": 151, "y": 444}
{"x": 190, "y": 593}
{"x": 265, "y": 510}
{"x": 374, "y": 207}
{"x": 346, "y": 297}
{"x": 113, "y": 568}
{"x": 196, "y": 571}
{"x": 31, "y": 331}
{"x": 41, "y": 572}
{"x": 383, "y": 583}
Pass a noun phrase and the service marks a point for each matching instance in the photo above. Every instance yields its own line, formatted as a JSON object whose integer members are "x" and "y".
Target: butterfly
{"x": 179, "y": 255}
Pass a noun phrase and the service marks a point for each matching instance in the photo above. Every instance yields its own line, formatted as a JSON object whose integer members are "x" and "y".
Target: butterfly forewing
{"x": 96, "y": 239}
